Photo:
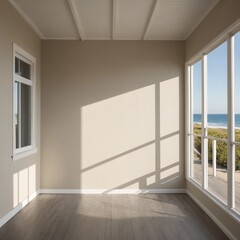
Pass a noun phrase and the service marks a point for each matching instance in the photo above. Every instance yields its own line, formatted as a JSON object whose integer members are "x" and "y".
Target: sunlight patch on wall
{"x": 169, "y": 106}
{"x": 15, "y": 189}
{"x": 123, "y": 171}
{"x": 24, "y": 184}
{"x": 117, "y": 125}
{"x": 32, "y": 179}
{"x": 151, "y": 180}
{"x": 170, "y": 173}
{"x": 169, "y": 151}
{"x": 135, "y": 185}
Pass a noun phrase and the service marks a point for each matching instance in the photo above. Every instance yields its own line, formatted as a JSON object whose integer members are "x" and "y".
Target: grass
{"x": 221, "y": 146}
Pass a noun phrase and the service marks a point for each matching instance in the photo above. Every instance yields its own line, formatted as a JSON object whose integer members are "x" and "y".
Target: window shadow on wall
{"x": 113, "y": 115}
{"x": 132, "y": 141}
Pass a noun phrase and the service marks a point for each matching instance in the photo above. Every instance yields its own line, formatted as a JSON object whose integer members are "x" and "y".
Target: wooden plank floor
{"x": 121, "y": 217}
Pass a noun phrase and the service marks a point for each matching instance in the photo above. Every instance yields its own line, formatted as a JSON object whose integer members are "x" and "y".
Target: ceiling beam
{"x": 27, "y": 19}
{"x": 114, "y": 22}
{"x": 210, "y": 8}
{"x": 151, "y": 19}
{"x": 76, "y": 18}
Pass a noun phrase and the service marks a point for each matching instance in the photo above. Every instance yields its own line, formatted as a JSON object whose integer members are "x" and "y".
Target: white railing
{"x": 214, "y": 148}
{"x": 214, "y": 157}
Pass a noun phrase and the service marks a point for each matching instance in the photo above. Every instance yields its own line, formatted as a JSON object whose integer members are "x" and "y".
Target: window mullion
{"x": 231, "y": 125}
{"x": 204, "y": 152}
{"x": 19, "y": 116}
{"x": 22, "y": 80}
{"x": 32, "y": 111}
{"x": 191, "y": 123}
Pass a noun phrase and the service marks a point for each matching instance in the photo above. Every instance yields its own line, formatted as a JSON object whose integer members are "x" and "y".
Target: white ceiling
{"x": 114, "y": 19}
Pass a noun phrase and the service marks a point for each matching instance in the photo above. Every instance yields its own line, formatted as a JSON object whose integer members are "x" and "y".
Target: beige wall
{"x": 221, "y": 17}
{"x": 20, "y": 178}
{"x": 112, "y": 115}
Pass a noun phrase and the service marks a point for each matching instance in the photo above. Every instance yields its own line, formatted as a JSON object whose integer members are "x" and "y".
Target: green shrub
{"x": 221, "y": 146}
{"x": 237, "y": 158}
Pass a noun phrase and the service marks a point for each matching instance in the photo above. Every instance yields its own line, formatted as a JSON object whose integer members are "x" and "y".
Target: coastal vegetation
{"x": 221, "y": 147}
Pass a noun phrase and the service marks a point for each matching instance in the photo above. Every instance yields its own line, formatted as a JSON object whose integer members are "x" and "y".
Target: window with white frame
{"x": 213, "y": 120}
{"x": 23, "y": 102}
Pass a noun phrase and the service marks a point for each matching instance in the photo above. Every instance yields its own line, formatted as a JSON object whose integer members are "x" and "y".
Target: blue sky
{"x": 217, "y": 80}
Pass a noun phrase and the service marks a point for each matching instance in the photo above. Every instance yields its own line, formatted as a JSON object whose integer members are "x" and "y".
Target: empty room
{"x": 119, "y": 119}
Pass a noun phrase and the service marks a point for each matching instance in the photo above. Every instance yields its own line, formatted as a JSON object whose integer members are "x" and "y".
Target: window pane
{"x": 22, "y": 115}
{"x": 17, "y": 65}
{"x": 197, "y": 97}
{"x": 25, "y": 115}
{"x": 22, "y": 68}
{"x": 237, "y": 119}
{"x": 237, "y": 86}
{"x": 197, "y": 160}
{"x": 217, "y": 121}
{"x": 16, "y": 112}
{"x": 217, "y": 179}
{"x": 217, "y": 91}
{"x": 237, "y": 178}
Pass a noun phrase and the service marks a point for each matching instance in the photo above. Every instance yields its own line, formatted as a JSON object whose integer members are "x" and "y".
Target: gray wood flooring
{"x": 120, "y": 217}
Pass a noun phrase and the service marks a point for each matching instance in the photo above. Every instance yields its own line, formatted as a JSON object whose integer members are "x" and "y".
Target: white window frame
{"x": 228, "y": 36}
{"x": 28, "y": 58}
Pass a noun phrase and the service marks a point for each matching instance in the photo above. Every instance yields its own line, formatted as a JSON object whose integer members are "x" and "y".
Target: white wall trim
{"x": 212, "y": 216}
{"x": 15, "y": 210}
{"x": 31, "y": 60}
{"x": 25, "y": 154}
{"x": 107, "y": 191}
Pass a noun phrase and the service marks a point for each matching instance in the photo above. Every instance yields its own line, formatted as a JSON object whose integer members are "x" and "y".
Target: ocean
{"x": 216, "y": 119}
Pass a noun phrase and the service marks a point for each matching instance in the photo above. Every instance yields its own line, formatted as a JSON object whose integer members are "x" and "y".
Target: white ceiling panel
{"x": 175, "y": 19}
{"x": 95, "y": 17}
{"x": 114, "y": 19}
{"x": 132, "y": 18}
{"x": 51, "y": 18}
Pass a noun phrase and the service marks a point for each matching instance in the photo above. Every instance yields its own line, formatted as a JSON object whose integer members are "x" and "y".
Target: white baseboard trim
{"x": 15, "y": 210}
{"x": 107, "y": 191}
{"x": 212, "y": 216}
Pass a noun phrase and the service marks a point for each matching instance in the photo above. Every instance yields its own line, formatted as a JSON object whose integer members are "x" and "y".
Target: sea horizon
{"x": 219, "y": 119}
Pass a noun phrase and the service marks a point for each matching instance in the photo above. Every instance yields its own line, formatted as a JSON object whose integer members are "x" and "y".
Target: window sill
{"x": 25, "y": 154}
